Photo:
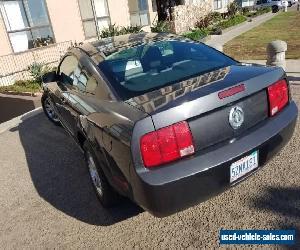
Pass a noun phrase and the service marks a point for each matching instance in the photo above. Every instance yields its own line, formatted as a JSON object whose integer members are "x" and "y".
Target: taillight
{"x": 278, "y": 96}
{"x": 167, "y": 144}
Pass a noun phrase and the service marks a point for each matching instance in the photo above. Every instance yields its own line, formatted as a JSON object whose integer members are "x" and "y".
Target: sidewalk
{"x": 216, "y": 40}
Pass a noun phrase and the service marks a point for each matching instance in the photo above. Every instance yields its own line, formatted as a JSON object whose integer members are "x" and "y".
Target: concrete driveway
{"x": 47, "y": 201}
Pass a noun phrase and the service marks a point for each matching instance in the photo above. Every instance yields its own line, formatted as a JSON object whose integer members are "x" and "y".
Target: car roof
{"x": 110, "y": 45}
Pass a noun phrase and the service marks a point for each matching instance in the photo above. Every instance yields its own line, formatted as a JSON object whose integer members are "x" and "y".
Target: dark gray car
{"x": 166, "y": 121}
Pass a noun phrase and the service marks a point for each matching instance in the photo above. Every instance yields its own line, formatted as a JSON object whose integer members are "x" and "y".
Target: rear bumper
{"x": 185, "y": 183}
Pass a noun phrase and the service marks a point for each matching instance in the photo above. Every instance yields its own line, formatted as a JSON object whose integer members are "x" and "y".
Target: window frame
{"x": 95, "y": 19}
{"x": 141, "y": 12}
{"x": 216, "y": 2}
{"x": 26, "y": 29}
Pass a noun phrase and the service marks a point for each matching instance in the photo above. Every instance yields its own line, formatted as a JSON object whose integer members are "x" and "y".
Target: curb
{"x": 14, "y": 93}
{"x": 18, "y": 120}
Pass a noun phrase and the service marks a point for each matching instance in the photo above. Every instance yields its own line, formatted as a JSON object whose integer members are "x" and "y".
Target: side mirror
{"x": 49, "y": 77}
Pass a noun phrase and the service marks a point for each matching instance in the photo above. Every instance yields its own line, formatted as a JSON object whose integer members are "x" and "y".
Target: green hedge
{"x": 231, "y": 22}
{"x": 196, "y": 34}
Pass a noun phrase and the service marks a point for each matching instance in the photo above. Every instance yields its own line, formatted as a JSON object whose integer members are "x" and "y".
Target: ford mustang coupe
{"x": 165, "y": 121}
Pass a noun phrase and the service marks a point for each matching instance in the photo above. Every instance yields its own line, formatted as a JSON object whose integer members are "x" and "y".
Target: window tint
{"x": 144, "y": 68}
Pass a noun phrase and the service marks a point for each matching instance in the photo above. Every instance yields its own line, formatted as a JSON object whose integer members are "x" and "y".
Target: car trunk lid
{"x": 197, "y": 101}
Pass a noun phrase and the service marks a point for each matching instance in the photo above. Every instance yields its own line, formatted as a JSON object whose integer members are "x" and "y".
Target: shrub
{"x": 264, "y": 10}
{"x": 196, "y": 34}
{"x": 37, "y": 70}
{"x": 130, "y": 30}
{"x": 233, "y": 9}
{"x": 204, "y": 22}
{"x": 216, "y": 16}
{"x": 231, "y": 22}
{"x": 161, "y": 26}
{"x": 114, "y": 30}
{"x": 245, "y": 11}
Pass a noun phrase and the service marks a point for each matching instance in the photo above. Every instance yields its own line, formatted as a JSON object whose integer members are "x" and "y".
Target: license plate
{"x": 243, "y": 166}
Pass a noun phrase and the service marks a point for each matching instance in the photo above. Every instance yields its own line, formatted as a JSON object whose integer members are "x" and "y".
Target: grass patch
{"x": 252, "y": 44}
{"x": 21, "y": 87}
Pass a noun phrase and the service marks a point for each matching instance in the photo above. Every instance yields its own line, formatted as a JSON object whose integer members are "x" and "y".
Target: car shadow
{"x": 13, "y": 106}
{"x": 285, "y": 203}
{"x": 59, "y": 174}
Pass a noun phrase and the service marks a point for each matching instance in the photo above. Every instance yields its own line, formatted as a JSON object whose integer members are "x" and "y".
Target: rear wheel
{"x": 105, "y": 193}
{"x": 48, "y": 109}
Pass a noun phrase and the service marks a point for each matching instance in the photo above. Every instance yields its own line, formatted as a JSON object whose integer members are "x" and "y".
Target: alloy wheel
{"x": 95, "y": 175}
{"x": 50, "y": 112}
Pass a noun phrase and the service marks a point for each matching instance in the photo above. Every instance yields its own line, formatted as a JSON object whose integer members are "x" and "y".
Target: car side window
{"x": 91, "y": 84}
{"x": 80, "y": 79}
{"x": 73, "y": 74}
{"x": 67, "y": 68}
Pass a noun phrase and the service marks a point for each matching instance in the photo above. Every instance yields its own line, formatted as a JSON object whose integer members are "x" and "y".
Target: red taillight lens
{"x": 278, "y": 96}
{"x": 167, "y": 144}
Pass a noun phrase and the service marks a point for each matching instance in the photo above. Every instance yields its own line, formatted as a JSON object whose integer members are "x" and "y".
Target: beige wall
{"x": 119, "y": 12}
{"x": 66, "y": 20}
{"x": 5, "y": 47}
{"x": 152, "y": 11}
{"x": 184, "y": 17}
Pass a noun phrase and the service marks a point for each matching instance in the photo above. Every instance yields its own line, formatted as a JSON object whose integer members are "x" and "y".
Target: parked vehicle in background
{"x": 292, "y": 2}
{"x": 276, "y": 5}
{"x": 168, "y": 122}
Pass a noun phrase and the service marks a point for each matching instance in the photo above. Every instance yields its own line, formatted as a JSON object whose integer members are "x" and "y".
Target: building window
{"x": 247, "y": 3}
{"x": 27, "y": 24}
{"x": 217, "y": 4}
{"x": 95, "y": 16}
{"x": 139, "y": 12}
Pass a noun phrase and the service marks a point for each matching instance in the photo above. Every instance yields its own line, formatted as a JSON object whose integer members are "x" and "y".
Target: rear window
{"x": 139, "y": 70}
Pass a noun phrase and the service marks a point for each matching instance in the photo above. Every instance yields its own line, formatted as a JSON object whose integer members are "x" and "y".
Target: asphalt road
{"x": 47, "y": 201}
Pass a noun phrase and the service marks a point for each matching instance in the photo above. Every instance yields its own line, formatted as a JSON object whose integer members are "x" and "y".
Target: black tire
{"x": 49, "y": 112}
{"x": 105, "y": 193}
{"x": 275, "y": 9}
